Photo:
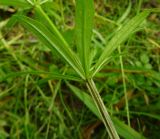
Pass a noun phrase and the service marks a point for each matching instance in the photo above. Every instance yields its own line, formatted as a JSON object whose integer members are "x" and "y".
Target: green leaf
{"x": 125, "y": 14}
{"x": 49, "y": 75}
{"x": 123, "y": 130}
{"x": 84, "y": 26}
{"x": 51, "y": 41}
{"x": 120, "y": 36}
{"x": 17, "y": 3}
{"x": 42, "y": 17}
{"x": 144, "y": 58}
{"x": 126, "y": 131}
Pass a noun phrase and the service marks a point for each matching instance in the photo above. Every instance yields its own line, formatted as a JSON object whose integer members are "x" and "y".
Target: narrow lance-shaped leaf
{"x": 46, "y": 75}
{"x": 84, "y": 26}
{"x": 120, "y": 36}
{"x": 17, "y": 3}
{"x": 42, "y": 17}
{"x": 51, "y": 41}
{"x": 125, "y": 14}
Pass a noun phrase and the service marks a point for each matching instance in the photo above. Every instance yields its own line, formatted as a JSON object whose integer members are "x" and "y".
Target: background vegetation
{"x": 37, "y": 104}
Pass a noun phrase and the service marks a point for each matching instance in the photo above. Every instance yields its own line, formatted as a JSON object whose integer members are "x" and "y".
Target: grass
{"x": 39, "y": 93}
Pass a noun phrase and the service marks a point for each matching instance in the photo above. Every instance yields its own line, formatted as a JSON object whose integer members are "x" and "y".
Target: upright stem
{"x": 124, "y": 86}
{"x": 102, "y": 109}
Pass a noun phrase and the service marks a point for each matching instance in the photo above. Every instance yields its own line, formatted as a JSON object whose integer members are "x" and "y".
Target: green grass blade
{"x": 49, "y": 75}
{"x": 120, "y": 36}
{"x": 51, "y": 41}
{"x": 84, "y": 26}
{"x": 124, "y": 85}
{"x": 125, "y": 131}
{"x": 17, "y": 3}
{"x": 125, "y": 14}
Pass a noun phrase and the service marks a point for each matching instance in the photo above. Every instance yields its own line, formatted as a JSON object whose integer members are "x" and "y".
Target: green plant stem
{"x": 26, "y": 107}
{"x": 124, "y": 85}
{"x": 102, "y": 109}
